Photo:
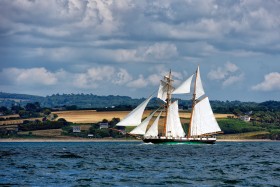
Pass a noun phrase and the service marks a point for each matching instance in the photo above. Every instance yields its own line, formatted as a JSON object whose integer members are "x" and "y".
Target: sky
{"x": 124, "y": 47}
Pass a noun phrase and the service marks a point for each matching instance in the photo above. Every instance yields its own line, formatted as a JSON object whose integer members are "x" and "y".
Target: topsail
{"x": 199, "y": 91}
{"x": 185, "y": 87}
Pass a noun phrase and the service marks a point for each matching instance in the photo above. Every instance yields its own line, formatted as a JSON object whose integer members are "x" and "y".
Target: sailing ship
{"x": 202, "y": 127}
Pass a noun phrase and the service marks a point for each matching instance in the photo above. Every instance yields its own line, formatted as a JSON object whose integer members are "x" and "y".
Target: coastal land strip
{"x": 113, "y": 140}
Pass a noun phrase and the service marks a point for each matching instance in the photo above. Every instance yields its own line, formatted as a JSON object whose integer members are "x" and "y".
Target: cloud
{"x": 228, "y": 74}
{"x": 161, "y": 51}
{"x": 233, "y": 79}
{"x": 138, "y": 83}
{"x": 222, "y": 72}
{"x": 54, "y": 54}
{"x": 32, "y": 76}
{"x": 130, "y": 37}
{"x": 122, "y": 77}
{"x": 154, "y": 52}
{"x": 93, "y": 76}
{"x": 271, "y": 82}
{"x": 242, "y": 23}
{"x": 154, "y": 79}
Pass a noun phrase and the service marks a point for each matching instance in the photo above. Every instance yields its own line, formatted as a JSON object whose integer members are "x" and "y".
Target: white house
{"x": 245, "y": 118}
{"x": 103, "y": 125}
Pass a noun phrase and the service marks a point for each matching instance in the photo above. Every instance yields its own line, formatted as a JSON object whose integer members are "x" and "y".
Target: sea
{"x": 139, "y": 164}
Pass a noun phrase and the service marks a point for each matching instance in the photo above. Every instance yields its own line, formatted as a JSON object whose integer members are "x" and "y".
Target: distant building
{"x": 245, "y": 118}
{"x": 76, "y": 128}
{"x": 103, "y": 125}
{"x": 90, "y": 135}
{"x": 58, "y": 108}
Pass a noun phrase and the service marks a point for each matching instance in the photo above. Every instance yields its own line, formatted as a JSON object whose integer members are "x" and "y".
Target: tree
{"x": 47, "y": 111}
{"x": 33, "y": 107}
{"x": 4, "y": 109}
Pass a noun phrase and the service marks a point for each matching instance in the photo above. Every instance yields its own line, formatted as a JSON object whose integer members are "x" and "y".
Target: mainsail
{"x": 185, "y": 87}
{"x": 203, "y": 120}
{"x": 173, "y": 123}
{"x": 153, "y": 130}
{"x": 199, "y": 91}
{"x": 141, "y": 128}
{"x": 135, "y": 116}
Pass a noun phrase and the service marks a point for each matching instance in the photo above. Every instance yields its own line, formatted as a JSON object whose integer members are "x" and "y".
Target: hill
{"x": 91, "y": 101}
{"x": 265, "y": 116}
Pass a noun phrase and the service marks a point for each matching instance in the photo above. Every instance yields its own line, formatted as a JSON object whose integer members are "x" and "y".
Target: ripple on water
{"x": 67, "y": 155}
{"x": 138, "y": 164}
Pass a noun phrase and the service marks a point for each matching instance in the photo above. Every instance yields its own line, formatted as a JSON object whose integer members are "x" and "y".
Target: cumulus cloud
{"x": 57, "y": 54}
{"x": 138, "y": 83}
{"x": 233, "y": 79}
{"x": 91, "y": 78}
{"x": 156, "y": 51}
{"x": 228, "y": 74}
{"x": 161, "y": 51}
{"x": 122, "y": 77}
{"x": 154, "y": 79}
{"x": 32, "y": 76}
{"x": 271, "y": 82}
{"x": 222, "y": 72}
{"x": 59, "y": 34}
{"x": 95, "y": 75}
{"x": 78, "y": 21}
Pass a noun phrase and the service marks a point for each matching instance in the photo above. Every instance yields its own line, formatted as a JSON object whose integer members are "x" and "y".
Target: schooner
{"x": 202, "y": 127}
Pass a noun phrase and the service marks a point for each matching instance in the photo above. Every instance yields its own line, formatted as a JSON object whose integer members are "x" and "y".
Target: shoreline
{"x": 246, "y": 140}
{"x": 7, "y": 140}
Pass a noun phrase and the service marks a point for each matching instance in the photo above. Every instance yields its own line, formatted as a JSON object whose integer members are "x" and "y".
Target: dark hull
{"x": 178, "y": 141}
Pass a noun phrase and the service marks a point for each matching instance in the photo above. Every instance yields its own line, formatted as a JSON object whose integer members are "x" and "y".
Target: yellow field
{"x": 18, "y": 121}
{"x": 46, "y": 133}
{"x": 10, "y": 116}
{"x": 92, "y": 116}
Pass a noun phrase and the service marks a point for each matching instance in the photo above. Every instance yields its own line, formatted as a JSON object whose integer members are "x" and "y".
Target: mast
{"x": 168, "y": 99}
{"x": 193, "y": 103}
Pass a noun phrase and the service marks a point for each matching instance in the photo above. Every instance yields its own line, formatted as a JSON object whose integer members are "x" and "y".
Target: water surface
{"x": 139, "y": 164}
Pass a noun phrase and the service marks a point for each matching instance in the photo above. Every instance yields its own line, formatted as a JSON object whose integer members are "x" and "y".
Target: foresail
{"x": 162, "y": 91}
{"x": 203, "y": 119}
{"x": 153, "y": 130}
{"x": 141, "y": 128}
{"x": 173, "y": 126}
{"x": 135, "y": 116}
{"x": 199, "y": 91}
{"x": 185, "y": 87}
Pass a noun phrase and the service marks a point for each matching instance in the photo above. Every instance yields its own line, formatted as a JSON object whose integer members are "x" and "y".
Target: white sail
{"x": 185, "y": 87}
{"x": 153, "y": 130}
{"x": 141, "y": 128}
{"x": 203, "y": 119}
{"x": 135, "y": 116}
{"x": 162, "y": 91}
{"x": 174, "y": 126}
{"x": 199, "y": 91}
